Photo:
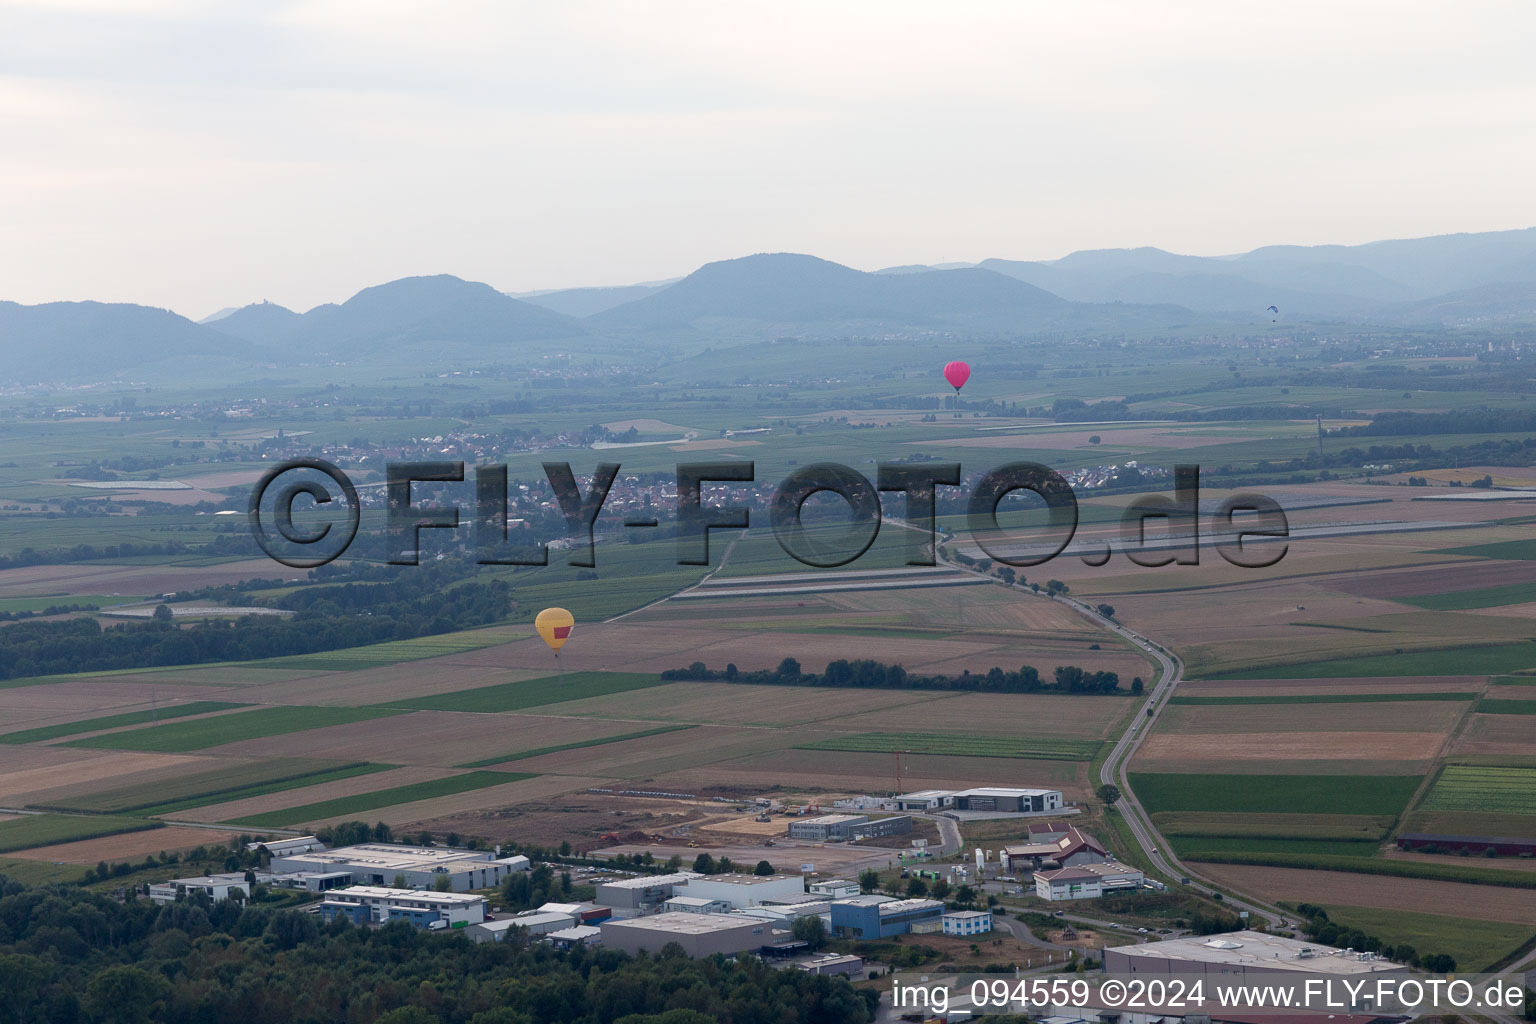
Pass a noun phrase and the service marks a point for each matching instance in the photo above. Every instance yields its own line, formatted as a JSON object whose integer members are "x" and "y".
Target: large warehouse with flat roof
{"x": 698, "y": 934}
{"x": 1241, "y": 953}
{"x": 419, "y": 866}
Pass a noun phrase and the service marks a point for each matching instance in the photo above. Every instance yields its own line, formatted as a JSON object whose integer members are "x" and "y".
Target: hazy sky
{"x": 202, "y": 154}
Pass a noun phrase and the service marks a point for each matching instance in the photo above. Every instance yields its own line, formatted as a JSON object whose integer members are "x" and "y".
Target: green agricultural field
{"x": 532, "y": 693}
{"x": 1483, "y": 788}
{"x": 362, "y": 802}
{"x": 53, "y": 732}
{"x": 1370, "y": 827}
{"x": 1485, "y": 659}
{"x": 37, "y": 604}
{"x": 31, "y": 830}
{"x": 40, "y": 872}
{"x": 263, "y": 788}
{"x": 1506, "y": 707}
{"x": 1476, "y": 945}
{"x": 180, "y": 737}
{"x": 1323, "y": 698}
{"x": 523, "y": 755}
{"x": 1269, "y": 794}
{"x": 1509, "y": 550}
{"x": 204, "y": 787}
{"x": 1043, "y": 747}
{"x": 1464, "y": 600}
{"x": 350, "y": 659}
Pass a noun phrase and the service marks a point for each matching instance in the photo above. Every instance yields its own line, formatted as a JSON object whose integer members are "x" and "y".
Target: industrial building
{"x": 381, "y": 864}
{"x": 371, "y": 904}
{"x": 1066, "y": 849}
{"x": 1068, "y": 884}
{"x": 284, "y": 847}
{"x": 967, "y": 922}
{"x": 697, "y": 934}
{"x": 215, "y": 887}
{"x": 1239, "y": 953}
{"x": 644, "y": 892}
{"x": 845, "y": 964}
{"x": 851, "y": 827}
{"x": 833, "y": 888}
{"x": 742, "y": 891}
{"x": 994, "y": 799}
{"x": 577, "y": 935}
{"x": 535, "y": 923}
{"x": 694, "y": 905}
{"x": 880, "y": 917}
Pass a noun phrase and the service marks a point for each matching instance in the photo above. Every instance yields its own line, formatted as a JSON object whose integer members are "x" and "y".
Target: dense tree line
{"x": 90, "y": 553}
{"x": 878, "y": 675}
{"x": 327, "y": 621}
{"x": 1456, "y": 421}
{"x": 68, "y": 956}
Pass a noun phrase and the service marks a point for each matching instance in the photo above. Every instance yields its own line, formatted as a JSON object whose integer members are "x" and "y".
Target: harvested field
{"x": 1510, "y": 863}
{"x": 744, "y": 704}
{"x": 1046, "y": 747}
{"x": 253, "y": 807}
{"x": 1073, "y": 717}
{"x": 90, "y": 726}
{"x": 1409, "y": 717}
{"x": 655, "y": 755}
{"x": 539, "y": 790}
{"x": 1278, "y": 764}
{"x": 45, "y": 771}
{"x": 181, "y": 781}
{"x": 1455, "y": 899}
{"x": 380, "y": 684}
{"x": 1215, "y": 748}
{"x": 1497, "y": 734}
{"x": 1407, "y": 685}
{"x": 440, "y": 738}
{"x": 1420, "y": 582}
{"x": 86, "y": 578}
{"x": 820, "y": 771}
{"x": 128, "y": 846}
{"x": 364, "y": 799}
{"x": 219, "y": 730}
{"x": 532, "y": 693}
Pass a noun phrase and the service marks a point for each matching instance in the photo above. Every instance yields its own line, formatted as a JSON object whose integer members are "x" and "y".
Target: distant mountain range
{"x": 1484, "y": 279}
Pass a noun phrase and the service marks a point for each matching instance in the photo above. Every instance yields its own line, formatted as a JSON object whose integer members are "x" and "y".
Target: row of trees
{"x": 878, "y": 675}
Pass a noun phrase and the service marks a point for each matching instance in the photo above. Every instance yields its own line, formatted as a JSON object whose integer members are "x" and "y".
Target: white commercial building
{"x": 643, "y": 892}
{"x": 694, "y": 905}
{"x": 991, "y": 799}
{"x": 419, "y": 867}
{"x": 697, "y": 934}
{"x": 742, "y": 891}
{"x": 216, "y": 887}
{"x": 967, "y": 922}
{"x": 1068, "y": 884}
{"x": 833, "y": 888}
{"x": 375, "y": 904}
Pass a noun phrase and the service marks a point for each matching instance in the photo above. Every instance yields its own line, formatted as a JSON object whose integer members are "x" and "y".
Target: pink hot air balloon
{"x": 957, "y": 373}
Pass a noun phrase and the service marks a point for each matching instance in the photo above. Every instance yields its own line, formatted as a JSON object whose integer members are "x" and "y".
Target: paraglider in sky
{"x": 957, "y": 373}
{"x": 1276, "y": 317}
{"x": 554, "y": 625}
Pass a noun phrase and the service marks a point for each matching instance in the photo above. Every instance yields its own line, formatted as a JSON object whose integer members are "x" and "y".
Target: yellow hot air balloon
{"x": 554, "y": 625}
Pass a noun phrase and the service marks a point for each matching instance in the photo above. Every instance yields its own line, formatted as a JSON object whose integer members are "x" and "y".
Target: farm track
{"x": 1113, "y": 772}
